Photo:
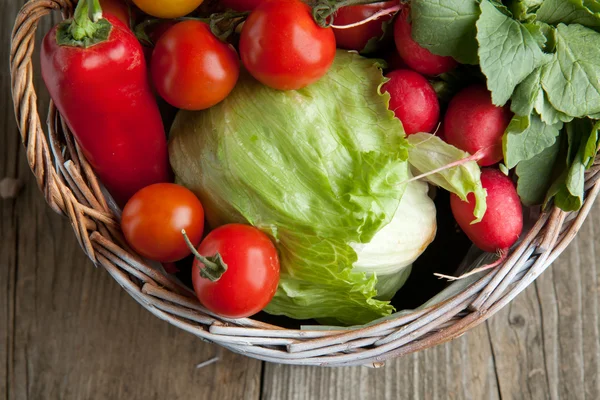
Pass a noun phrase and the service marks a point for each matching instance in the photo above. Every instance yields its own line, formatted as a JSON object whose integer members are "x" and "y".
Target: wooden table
{"x": 68, "y": 331}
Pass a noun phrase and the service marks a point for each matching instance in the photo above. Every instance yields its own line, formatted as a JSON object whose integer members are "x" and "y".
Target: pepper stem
{"x": 214, "y": 266}
{"x": 95, "y": 10}
{"x": 87, "y": 28}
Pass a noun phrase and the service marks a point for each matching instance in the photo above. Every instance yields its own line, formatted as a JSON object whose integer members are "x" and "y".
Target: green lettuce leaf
{"x": 527, "y": 137}
{"x": 429, "y": 152}
{"x": 447, "y": 27}
{"x": 508, "y": 51}
{"x": 317, "y": 169}
{"x": 572, "y": 79}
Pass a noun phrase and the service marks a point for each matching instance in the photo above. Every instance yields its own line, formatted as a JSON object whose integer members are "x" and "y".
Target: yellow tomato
{"x": 167, "y": 8}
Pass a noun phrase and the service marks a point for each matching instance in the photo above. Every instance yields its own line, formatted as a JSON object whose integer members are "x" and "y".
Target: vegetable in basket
{"x": 95, "y": 71}
{"x": 323, "y": 171}
{"x": 540, "y": 59}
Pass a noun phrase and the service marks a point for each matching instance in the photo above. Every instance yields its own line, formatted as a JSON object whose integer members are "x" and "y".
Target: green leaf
{"x": 376, "y": 43}
{"x": 535, "y": 175}
{"x": 548, "y": 113}
{"x": 555, "y": 12}
{"x": 523, "y": 10}
{"x": 429, "y": 152}
{"x": 568, "y": 190}
{"x": 508, "y": 51}
{"x": 325, "y": 167}
{"x": 526, "y": 94}
{"x": 591, "y": 147}
{"x": 572, "y": 79}
{"x": 527, "y": 137}
{"x": 447, "y": 27}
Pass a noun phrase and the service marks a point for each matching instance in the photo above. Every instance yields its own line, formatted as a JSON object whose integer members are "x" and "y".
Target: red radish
{"x": 415, "y": 56}
{"x": 502, "y": 223}
{"x": 356, "y": 38}
{"x": 413, "y": 100}
{"x": 472, "y": 123}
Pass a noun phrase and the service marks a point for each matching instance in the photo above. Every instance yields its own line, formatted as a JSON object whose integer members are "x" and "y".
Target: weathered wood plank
{"x": 569, "y": 297}
{"x": 74, "y": 333}
{"x": 460, "y": 370}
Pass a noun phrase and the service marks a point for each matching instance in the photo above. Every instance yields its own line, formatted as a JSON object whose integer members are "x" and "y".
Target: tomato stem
{"x": 214, "y": 266}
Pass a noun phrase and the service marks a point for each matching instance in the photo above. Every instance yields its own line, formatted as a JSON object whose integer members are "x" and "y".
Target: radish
{"x": 473, "y": 124}
{"x": 416, "y": 57}
{"x": 502, "y": 223}
{"x": 413, "y": 101}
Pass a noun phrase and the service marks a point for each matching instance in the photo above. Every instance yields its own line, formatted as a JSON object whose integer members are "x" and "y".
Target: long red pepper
{"x": 95, "y": 71}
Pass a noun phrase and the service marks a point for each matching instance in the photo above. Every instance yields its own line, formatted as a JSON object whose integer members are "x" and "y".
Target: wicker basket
{"x": 71, "y": 189}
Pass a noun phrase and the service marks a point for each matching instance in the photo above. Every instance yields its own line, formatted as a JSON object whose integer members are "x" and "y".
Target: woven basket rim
{"x": 71, "y": 189}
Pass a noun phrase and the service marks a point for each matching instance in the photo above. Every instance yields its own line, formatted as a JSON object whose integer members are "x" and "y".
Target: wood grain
{"x": 71, "y": 331}
{"x": 463, "y": 369}
{"x": 68, "y": 331}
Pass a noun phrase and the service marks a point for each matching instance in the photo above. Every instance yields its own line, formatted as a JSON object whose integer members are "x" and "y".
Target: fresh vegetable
{"x": 236, "y": 271}
{"x": 413, "y": 101}
{"x": 473, "y": 124}
{"x": 365, "y": 37}
{"x": 153, "y": 219}
{"x": 540, "y": 58}
{"x": 96, "y": 74}
{"x": 324, "y": 174}
{"x": 167, "y": 8}
{"x": 282, "y": 46}
{"x": 415, "y": 56}
{"x": 241, "y": 5}
{"x": 191, "y": 68}
{"x": 117, "y": 8}
{"x": 502, "y": 223}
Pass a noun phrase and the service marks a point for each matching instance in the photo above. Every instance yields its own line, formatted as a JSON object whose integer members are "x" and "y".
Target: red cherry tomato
{"x": 252, "y": 274}
{"x": 117, "y": 8}
{"x": 357, "y": 38}
{"x": 153, "y": 218}
{"x": 241, "y": 5}
{"x": 283, "y": 47}
{"x": 415, "y": 56}
{"x": 191, "y": 68}
{"x": 413, "y": 101}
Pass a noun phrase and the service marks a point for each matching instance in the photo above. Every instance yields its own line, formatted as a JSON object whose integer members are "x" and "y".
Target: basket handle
{"x": 25, "y": 99}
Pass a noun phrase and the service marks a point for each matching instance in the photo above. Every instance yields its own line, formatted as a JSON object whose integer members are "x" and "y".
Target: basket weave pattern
{"x": 71, "y": 189}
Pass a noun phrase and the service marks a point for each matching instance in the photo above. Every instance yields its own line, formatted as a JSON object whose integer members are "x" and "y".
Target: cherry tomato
{"x": 416, "y": 57}
{"x": 117, "y": 8}
{"x": 252, "y": 274}
{"x": 241, "y": 5}
{"x": 283, "y": 47}
{"x": 357, "y": 38}
{"x": 191, "y": 68}
{"x": 167, "y": 8}
{"x": 153, "y": 218}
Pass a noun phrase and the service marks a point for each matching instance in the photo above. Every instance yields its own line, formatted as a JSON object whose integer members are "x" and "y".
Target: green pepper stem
{"x": 214, "y": 266}
{"x": 95, "y": 10}
{"x": 85, "y": 21}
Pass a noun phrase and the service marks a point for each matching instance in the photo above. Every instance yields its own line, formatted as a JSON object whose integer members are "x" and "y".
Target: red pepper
{"x": 96, "y": 73}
